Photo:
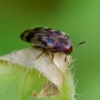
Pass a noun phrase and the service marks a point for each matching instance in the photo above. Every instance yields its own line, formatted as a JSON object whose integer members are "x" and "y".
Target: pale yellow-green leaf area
{"x": 23, "y": 77}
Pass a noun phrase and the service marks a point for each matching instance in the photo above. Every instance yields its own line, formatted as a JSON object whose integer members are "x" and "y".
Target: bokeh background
{"x": 78, "y": 18}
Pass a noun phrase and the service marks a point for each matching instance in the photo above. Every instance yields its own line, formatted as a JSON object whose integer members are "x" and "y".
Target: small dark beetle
{"x": 49, "y": 40}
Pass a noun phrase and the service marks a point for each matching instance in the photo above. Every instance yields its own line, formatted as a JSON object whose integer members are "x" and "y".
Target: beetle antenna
{"x": 80, "y": 44}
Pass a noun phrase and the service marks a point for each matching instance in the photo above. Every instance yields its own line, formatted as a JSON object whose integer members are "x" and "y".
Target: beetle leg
{"x": 41, "y": 54}
{"x": 65, "y": 58}
{"x": 52, "y": 56}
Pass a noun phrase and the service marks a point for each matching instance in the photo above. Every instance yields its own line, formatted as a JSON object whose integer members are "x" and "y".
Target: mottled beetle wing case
{"x": 48, "y": 38}
{"x": 43, "y": 37}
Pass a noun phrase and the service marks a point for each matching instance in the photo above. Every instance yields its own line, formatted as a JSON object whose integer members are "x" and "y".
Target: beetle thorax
{"x": 64, "y": 46}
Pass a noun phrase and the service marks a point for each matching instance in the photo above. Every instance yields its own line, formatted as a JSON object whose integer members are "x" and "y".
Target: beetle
{"x": 49, "y": 40}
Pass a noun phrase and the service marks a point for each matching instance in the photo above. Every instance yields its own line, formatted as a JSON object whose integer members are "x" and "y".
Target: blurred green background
{"x": 79, "y": 18}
